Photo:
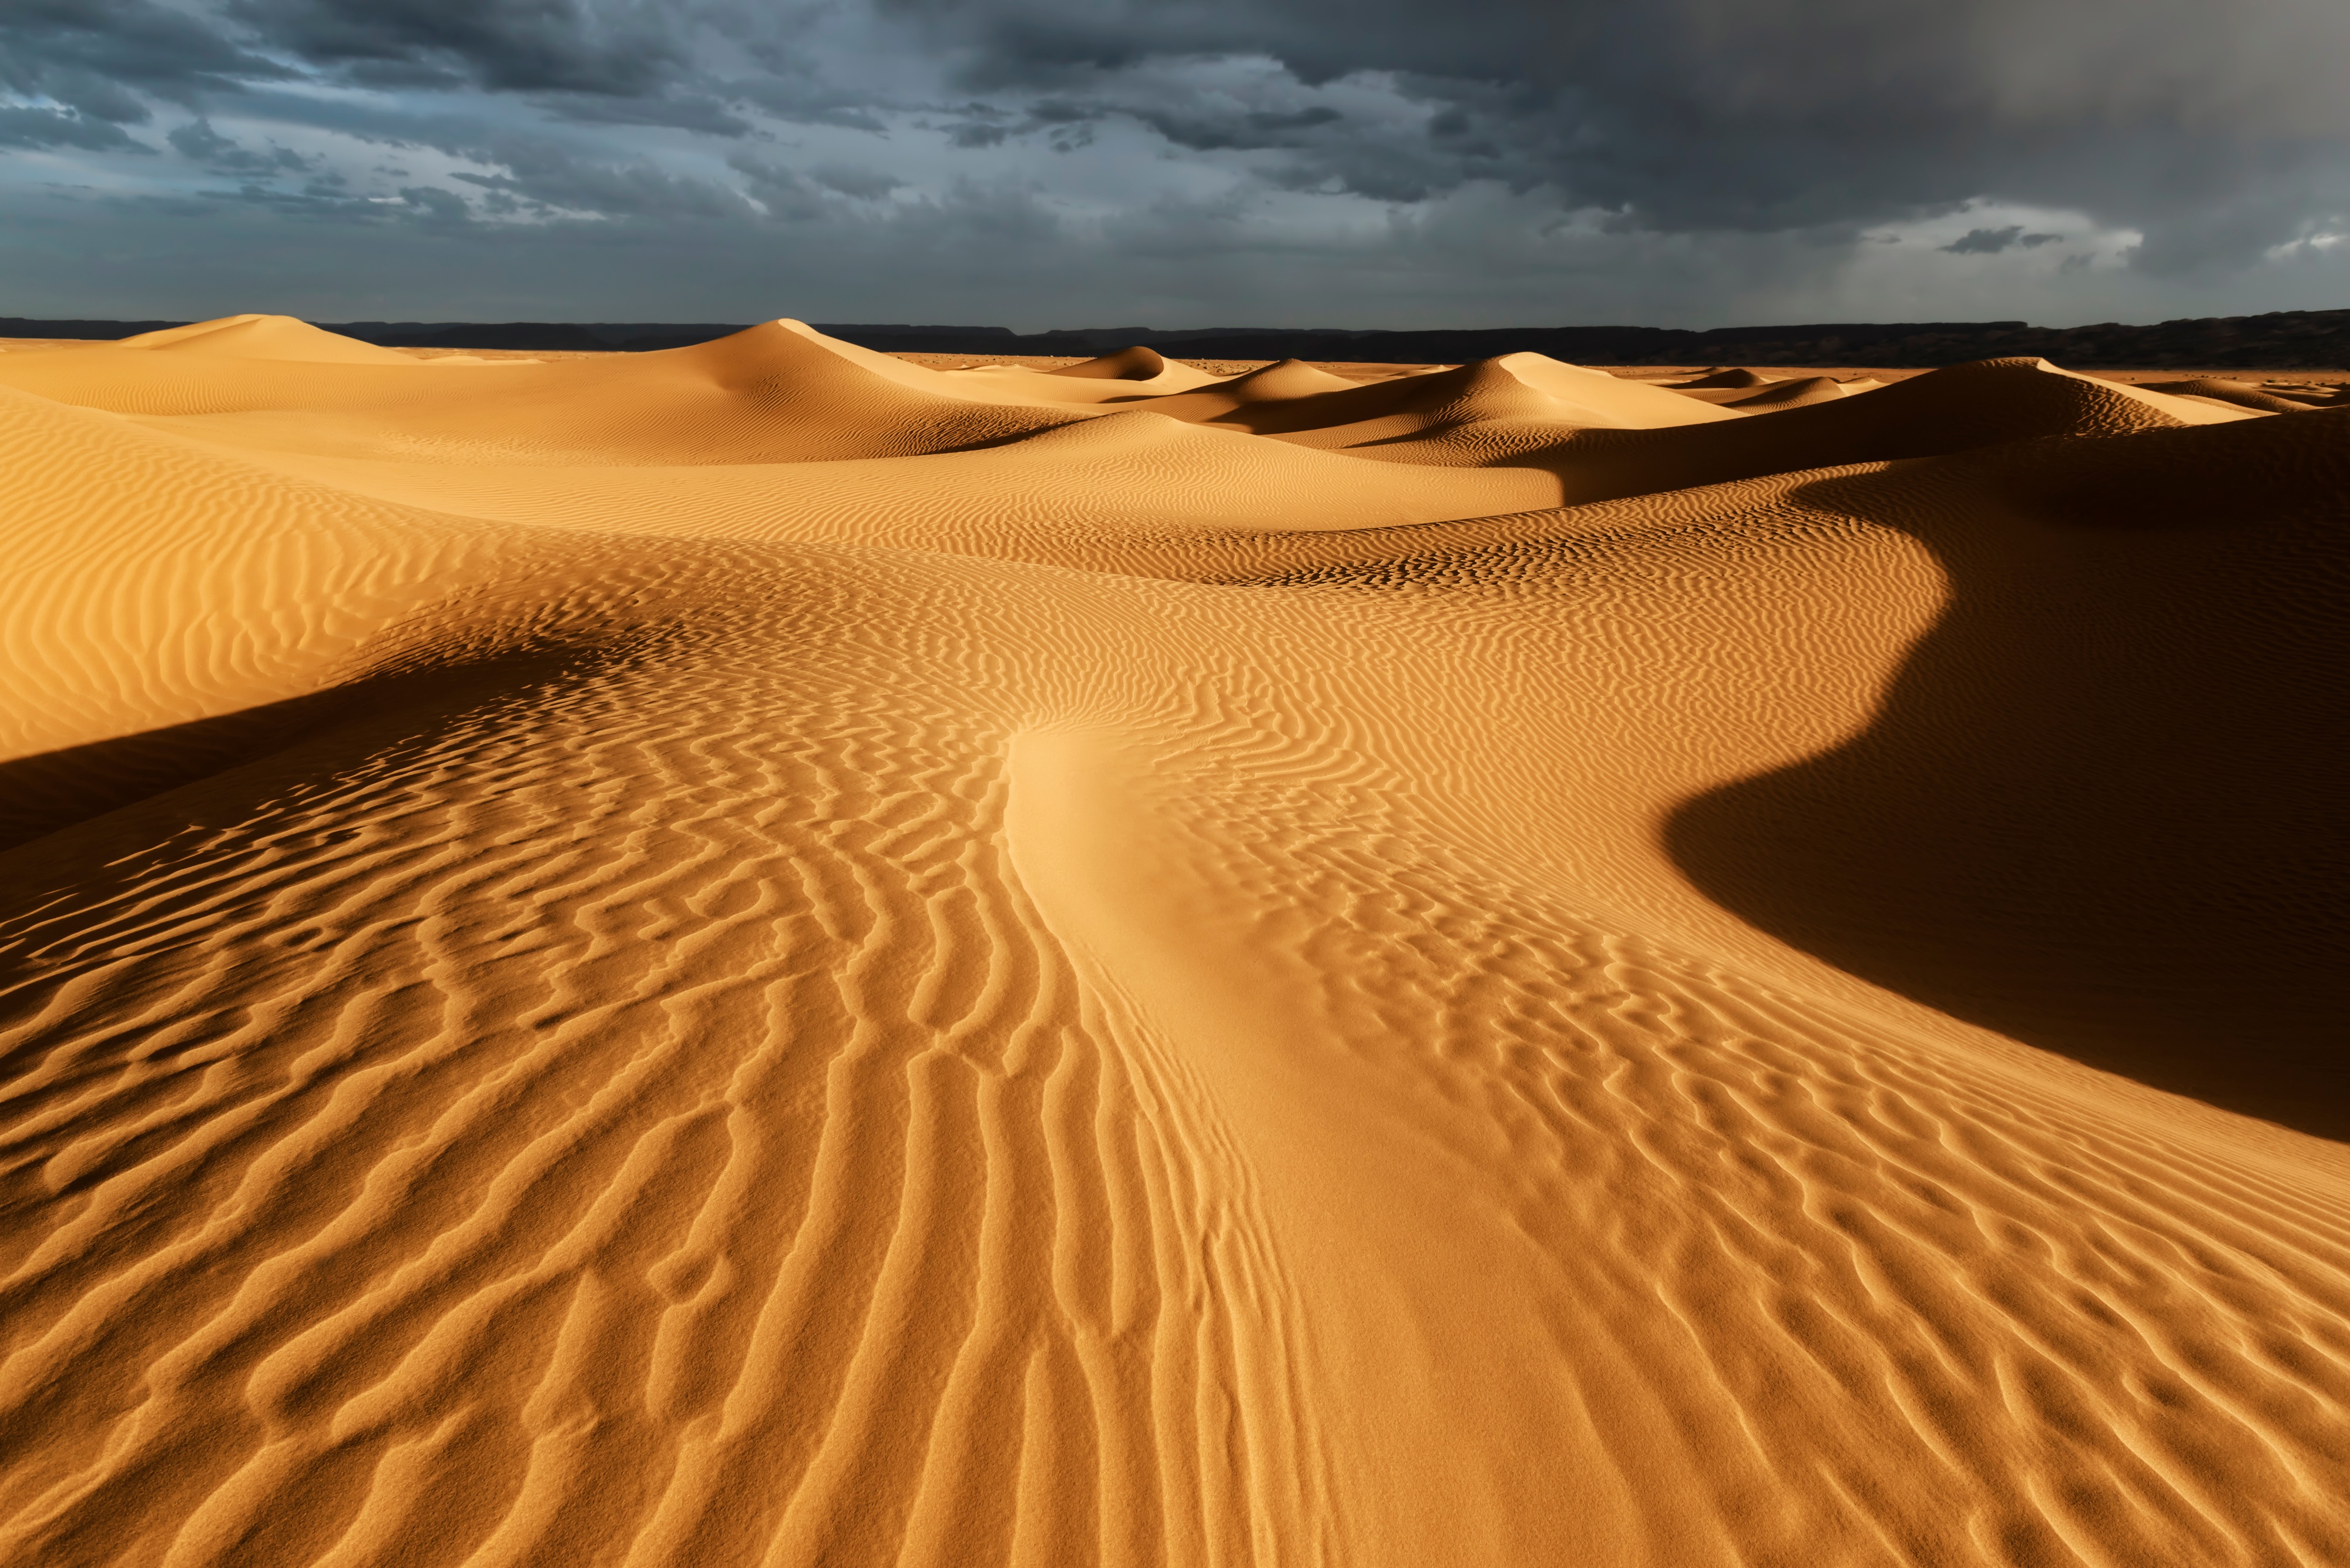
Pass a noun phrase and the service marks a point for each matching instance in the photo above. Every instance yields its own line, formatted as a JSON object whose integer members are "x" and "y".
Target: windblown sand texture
{"x": 765, "y": 955}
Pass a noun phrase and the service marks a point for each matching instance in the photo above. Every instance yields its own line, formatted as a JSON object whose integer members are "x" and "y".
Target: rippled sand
{"x": 764, "y": 955}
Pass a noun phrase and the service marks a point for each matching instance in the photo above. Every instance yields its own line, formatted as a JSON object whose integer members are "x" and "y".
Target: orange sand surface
{"x": 770, "y": 954}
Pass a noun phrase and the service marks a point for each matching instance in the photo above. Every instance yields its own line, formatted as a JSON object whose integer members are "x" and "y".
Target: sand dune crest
{"x": 276, "y": 338}
{"x": 1792, "y": 394}
{"x": 1135, "y": 364}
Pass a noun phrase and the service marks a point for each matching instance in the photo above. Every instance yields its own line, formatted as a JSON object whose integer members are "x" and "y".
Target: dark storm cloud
{"x": 685, "y": 111}
{"x": 1992, "y": 242}
{"x": 90, "y": 65}
{"x": 27, "y": 127}
{"x": 615, "y": 62}
{"x": 2216, "y": 130}
{"x": 864, "y": 184}
{"x": 86, "y": 65}
{"x": 548, "y": 179}
{"x": 2213, "y": 128}
{"x": 97, "y": 56}
{"x": 199, "y": 142}
{"x": 1638, "y": 154}
{"x": 1246, "y": 131}
{"x": 622, "y": 49}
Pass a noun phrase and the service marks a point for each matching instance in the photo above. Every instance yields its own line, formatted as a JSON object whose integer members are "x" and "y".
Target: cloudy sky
{"x": 1176, "y": 162}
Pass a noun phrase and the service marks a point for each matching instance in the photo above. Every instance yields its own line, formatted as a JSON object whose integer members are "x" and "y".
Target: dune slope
{"x": 2089, "y": 791}
{"x": 724, "y": 975}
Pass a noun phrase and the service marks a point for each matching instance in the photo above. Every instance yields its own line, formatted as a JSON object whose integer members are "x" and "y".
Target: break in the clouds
{"x": 1208, "y": 161}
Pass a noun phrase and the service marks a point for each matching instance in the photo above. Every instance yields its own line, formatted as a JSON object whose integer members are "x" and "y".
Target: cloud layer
{"x": 1283, "y": 161}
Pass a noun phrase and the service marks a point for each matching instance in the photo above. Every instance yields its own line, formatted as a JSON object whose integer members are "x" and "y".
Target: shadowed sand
{"x": 766, "y": 954}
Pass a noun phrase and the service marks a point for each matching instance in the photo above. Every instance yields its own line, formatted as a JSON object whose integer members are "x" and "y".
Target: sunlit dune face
{"x": 768, "y": 954}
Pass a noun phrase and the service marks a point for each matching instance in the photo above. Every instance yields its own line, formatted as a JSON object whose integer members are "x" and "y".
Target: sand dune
{"x": 273, "y": 338}
{"x": 2242, "y": 394}
{"x": 1514, "y": 388}
{"x": 152, "y": 582}
{"x": 1949, "y": 411}
{"x": 1794, "y": 394}
{"x": 1725, "y": 381}
{"x": 759, "y": 954}
{"x": 774, "y": 394}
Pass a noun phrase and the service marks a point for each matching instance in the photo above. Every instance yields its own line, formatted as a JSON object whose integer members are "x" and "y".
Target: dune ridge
{"x": 741, "y": 955}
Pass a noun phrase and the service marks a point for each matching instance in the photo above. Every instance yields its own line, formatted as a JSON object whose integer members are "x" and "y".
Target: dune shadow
{"x": 2100, "y": 809}
{"x": 50, "y": 792}
{"x": 42, "y": 793}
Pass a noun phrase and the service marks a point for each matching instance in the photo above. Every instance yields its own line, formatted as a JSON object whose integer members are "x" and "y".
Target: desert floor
{"x": 771, "y": 954}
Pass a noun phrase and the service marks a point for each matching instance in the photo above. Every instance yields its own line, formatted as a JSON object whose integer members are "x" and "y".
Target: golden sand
{"x": 766, "y": 954}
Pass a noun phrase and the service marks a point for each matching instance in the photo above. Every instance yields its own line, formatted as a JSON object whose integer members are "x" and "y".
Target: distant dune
{"x": 758, "y": 953}
{"x": 2283, "y": 340}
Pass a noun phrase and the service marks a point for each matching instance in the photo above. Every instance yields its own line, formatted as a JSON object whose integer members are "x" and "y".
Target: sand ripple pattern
{"x": 834, "y": 1030}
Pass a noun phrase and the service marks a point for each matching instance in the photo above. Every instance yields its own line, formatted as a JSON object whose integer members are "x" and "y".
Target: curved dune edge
{"x": 727, "y": 957}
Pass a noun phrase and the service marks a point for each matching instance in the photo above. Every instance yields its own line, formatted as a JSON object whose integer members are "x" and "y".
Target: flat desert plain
{"x": 767, "y": 954}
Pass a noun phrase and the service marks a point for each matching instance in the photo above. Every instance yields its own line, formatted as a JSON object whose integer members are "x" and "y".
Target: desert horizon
{"x": 773, "y": 954}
